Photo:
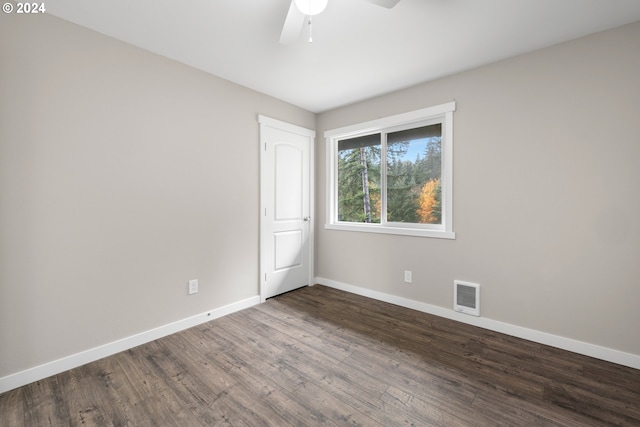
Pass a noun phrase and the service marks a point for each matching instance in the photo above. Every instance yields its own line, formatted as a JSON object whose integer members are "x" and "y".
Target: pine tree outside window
{"x": 393, "y": 175}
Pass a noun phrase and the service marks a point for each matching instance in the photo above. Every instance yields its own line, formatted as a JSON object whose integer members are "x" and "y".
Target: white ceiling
{"x": 359, "y": 50}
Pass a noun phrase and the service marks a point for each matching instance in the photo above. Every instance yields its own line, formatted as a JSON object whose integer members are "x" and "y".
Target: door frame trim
{"x": 265, "y": 121}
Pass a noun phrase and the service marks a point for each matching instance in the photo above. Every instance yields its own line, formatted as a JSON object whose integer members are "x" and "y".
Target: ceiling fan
{"x": 300, "y": 9}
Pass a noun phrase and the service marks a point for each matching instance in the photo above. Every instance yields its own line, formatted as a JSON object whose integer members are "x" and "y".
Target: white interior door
{"x": 286, "y": 188}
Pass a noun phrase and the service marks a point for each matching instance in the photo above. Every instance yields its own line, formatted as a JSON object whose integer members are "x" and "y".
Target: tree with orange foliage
{"x": 430, "y": 211}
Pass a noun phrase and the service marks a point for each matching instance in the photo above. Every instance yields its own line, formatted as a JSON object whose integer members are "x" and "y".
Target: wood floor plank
{"x": 496, "y": 409}
{"x": 323, "y": 357}
{"x": 12, "y": 408}
{"x": 430, "y": 411}
{"x": 42, "y": 403}
{"x": 83, "y": 394}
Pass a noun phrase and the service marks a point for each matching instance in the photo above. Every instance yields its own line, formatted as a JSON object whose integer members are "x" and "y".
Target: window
{"x": 393, "y": 175}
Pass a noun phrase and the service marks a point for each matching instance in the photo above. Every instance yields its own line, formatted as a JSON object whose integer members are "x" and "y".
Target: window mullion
{"x": 383, "y": 177}
{"x": 333, "y": 146}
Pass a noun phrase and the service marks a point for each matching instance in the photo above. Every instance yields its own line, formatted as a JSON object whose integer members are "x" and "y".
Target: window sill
{"x": 402, "y": 231}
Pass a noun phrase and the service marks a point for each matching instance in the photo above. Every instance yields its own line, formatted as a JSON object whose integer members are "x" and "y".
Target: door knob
{"x": 307, "y": 218}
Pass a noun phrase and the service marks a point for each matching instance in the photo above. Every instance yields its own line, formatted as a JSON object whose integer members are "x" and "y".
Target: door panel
{"x": 285, "y": 226}
{"x": 288, "y": 249}
{"x": 288, "y": 195}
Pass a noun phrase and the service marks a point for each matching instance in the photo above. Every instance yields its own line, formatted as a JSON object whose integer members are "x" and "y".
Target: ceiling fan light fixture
{"x": 311, "y": 7}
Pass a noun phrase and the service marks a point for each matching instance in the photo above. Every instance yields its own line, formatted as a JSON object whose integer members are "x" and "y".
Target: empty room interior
{"x": 413, "y": 212}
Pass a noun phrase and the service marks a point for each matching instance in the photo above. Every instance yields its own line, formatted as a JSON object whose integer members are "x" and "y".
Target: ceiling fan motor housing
{"x": 311, "y": 7}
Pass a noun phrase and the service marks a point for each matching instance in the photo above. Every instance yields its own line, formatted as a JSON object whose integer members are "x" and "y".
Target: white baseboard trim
{"x": 580, "y": 347}
{"x": 75, "y": 360}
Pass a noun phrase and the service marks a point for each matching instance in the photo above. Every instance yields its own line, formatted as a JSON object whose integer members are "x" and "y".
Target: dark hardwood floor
{"x": 319, "y": 356}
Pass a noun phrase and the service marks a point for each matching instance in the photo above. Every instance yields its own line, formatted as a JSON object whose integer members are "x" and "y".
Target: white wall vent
{"x": 466, "y": 297}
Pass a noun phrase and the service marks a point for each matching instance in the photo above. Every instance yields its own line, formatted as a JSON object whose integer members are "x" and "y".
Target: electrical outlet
{"x": 193, "y": 286}
{"x": 407, "y": 276}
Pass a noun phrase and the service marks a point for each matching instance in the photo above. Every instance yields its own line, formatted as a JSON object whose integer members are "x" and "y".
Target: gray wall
{"x": 546, "y": 194}
{"x": 122, "y": 176}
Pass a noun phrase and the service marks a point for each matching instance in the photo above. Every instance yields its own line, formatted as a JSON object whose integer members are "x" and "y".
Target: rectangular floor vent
{"x": 466, "y": 297}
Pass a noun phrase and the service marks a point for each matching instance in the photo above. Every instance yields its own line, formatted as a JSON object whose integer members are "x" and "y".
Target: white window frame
{"x": 437, "y": 114}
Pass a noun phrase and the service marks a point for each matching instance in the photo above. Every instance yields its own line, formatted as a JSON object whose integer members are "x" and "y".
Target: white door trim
{"x": 265, "y": 121}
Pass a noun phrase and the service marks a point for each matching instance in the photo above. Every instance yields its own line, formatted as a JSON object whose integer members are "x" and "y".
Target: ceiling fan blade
{"x": 292, "y": 25}
{"x": 385, "y": 3}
